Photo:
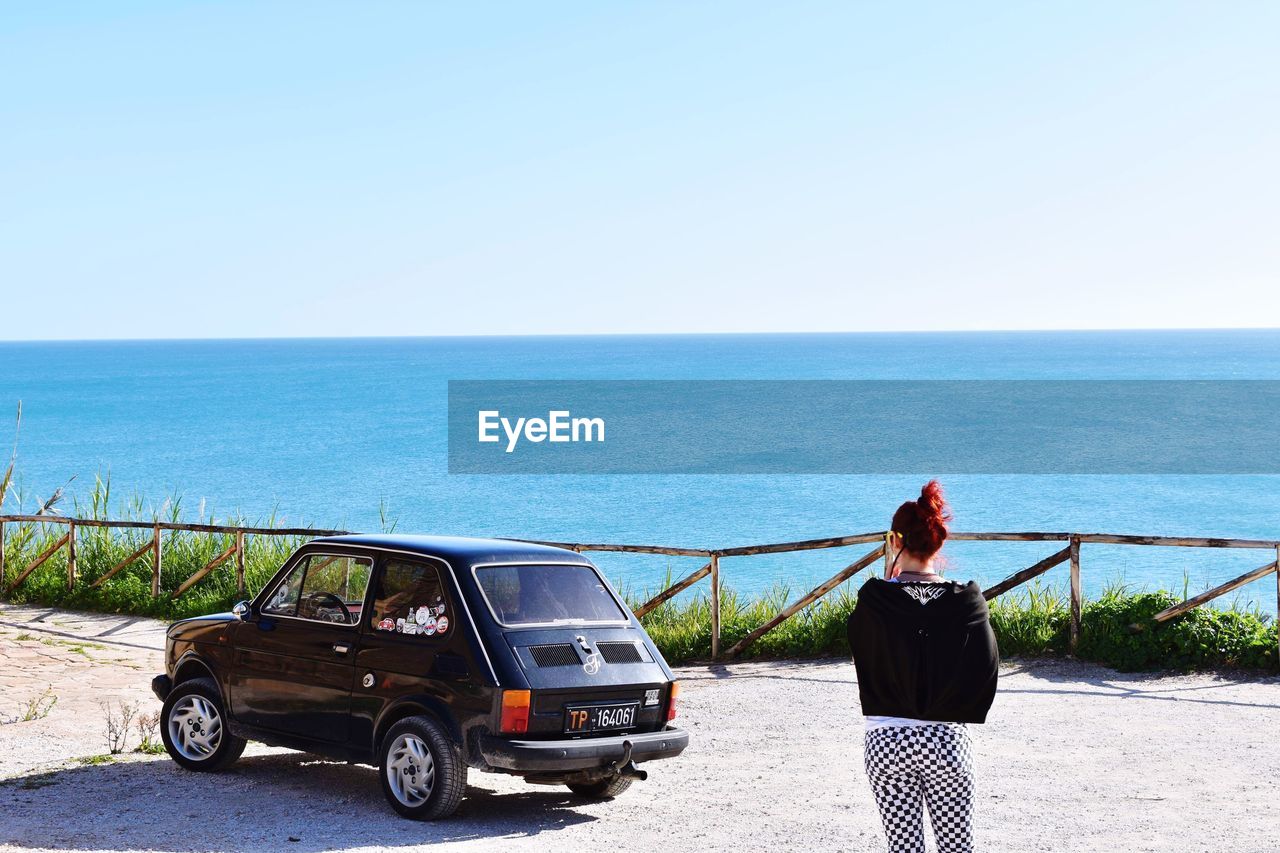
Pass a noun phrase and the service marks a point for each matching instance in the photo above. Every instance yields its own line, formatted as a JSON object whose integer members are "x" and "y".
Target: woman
{"x": 927, "y": 664}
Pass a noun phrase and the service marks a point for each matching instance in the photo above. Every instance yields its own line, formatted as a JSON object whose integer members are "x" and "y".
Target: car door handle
{"x": 341, "y": 649}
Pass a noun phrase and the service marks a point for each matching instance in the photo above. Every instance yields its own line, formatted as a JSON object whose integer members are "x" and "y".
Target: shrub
{"x": 1031, "y": 622}
{"x": 116, "y": 726}
{"x": 148, "y": 725}
{"x": 1202, "y": 638}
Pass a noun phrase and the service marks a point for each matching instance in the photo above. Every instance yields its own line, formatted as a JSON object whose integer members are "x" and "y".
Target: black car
{"x": 424, "y": 656}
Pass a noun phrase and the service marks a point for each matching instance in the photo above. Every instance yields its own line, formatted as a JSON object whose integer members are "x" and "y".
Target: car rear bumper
{"x": 161, "y": 685}
{"x": 550, "y": 756}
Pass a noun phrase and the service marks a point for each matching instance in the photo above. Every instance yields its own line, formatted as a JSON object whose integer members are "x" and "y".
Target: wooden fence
{"x": 1070, "y": 553}
{"x": 154, "y": 548}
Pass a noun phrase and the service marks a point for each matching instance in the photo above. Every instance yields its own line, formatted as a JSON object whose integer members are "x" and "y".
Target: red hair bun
{"x": 922, "y": 523}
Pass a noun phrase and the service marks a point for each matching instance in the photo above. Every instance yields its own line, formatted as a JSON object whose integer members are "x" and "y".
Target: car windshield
{"x": 543, "y": 594}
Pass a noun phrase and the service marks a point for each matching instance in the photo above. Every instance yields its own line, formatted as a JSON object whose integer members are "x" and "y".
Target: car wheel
{"x": 606, "y": 790}
{"x": 421, "y": 768}
{"x": 195, "y": 728}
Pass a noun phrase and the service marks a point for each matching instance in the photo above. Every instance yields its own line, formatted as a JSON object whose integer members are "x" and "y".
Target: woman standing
{"x": 927, "y": 664}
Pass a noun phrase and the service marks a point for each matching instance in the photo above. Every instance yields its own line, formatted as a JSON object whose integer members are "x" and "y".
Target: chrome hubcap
{"x": 411, "y": 771}
{"x": 195, "y": 727}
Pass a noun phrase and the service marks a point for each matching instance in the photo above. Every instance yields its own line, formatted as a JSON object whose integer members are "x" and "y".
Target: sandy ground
{"x": 1075, "y": 757}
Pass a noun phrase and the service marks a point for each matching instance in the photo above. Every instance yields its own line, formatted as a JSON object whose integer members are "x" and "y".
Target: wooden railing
{"x": 1070, "y": 553}
{"x": 154, "y": 547}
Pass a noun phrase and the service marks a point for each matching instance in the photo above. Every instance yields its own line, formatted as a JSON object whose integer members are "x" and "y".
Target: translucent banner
{"x": 864, "y": 427}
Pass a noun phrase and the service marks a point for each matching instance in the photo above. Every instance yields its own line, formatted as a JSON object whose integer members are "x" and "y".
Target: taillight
{"x": 515, "y": 712}
{"x": 671, "y": 701}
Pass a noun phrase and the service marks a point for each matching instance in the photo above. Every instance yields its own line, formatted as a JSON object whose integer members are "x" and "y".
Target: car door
{"x": 294, "y": 659}
{"x": 410, "y": 642}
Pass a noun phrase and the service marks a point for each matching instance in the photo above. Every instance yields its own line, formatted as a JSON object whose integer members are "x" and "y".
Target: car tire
{"x": 195, "y": 727}
{"x": 606, "y": 790}
{"x": 421, "y": 769}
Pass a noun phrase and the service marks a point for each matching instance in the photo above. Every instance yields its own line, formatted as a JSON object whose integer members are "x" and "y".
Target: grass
{"x": 98, "y": 550}
{"x": 36, "y": 708}
{"x": 681, "y": 628}
{"x": 95, "y": 760}
{"x": 1029, "y": 622}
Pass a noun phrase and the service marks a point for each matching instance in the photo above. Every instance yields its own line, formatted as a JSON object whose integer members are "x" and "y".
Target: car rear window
{"x": 547, "y": 594}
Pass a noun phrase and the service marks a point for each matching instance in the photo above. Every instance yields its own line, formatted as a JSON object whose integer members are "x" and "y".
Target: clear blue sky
{"x": 279, "y": 169}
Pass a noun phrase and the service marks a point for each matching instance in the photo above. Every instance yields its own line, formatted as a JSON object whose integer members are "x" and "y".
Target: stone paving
{"x": 81, "y": 659}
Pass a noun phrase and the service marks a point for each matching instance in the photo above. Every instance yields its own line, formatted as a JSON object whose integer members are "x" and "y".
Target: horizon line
{"x": 720, "y": 334}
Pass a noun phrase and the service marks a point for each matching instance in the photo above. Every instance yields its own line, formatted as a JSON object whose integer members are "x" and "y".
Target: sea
{"x": 351, "y": 434}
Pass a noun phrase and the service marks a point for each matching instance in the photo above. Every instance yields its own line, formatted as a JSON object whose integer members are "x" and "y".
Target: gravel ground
{"x": 1075, "y": 757}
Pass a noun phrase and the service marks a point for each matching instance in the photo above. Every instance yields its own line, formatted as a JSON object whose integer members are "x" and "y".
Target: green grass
{"x": 129, "y": 591}
{"x": 36, "y": 708}
{"x": 95, "y": 760}
{"x": 682, "y": 628}
{"x": 1029, "y": 622}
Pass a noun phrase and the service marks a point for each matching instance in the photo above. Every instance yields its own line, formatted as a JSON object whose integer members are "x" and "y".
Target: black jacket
{"x": 924, "y": 651}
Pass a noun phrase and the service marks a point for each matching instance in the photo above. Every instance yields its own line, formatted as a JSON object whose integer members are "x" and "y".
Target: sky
{"x": 174, "y": 170}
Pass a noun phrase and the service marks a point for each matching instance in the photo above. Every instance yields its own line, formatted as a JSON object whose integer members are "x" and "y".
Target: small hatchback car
{"x": 425, "y": 656}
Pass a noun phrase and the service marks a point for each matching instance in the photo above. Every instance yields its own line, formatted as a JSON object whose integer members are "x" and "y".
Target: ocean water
{"x": 327, "y": 432}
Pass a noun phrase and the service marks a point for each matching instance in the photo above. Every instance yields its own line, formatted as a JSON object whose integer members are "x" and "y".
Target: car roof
{"x": 461, "y": 549}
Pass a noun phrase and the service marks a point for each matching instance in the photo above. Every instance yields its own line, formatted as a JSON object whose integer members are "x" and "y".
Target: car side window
{"x": 324, "y": 588}
{"x": 284, "y": 601}
{"x": 410, "y": 600}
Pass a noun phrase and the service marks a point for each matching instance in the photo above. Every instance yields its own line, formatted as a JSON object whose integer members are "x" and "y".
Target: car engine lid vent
{"x": 619, "y": 652}
{"x": 556, "y": 654}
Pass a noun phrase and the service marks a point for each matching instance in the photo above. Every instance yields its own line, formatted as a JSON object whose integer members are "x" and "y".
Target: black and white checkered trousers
{"x": 913, "y": 766}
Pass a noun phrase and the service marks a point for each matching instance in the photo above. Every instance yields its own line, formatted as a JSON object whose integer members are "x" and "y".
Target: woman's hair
{"x": 922, "y": 523}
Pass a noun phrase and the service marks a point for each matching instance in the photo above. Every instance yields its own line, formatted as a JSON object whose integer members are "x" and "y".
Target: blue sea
{"x": 337, "y": 432}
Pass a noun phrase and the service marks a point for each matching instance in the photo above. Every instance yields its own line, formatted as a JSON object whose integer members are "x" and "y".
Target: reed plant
{"x": 99, "y": 549}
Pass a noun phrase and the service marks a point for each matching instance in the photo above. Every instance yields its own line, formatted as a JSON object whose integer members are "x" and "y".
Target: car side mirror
{"x": 242, "y": 610}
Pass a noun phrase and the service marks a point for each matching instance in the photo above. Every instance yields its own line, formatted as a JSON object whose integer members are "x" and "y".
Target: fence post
{"x": 1, "y": 555}
{"x": 71, "y": 556}
{"x": 239, "y": 561}
{"x": 1277, "y": 598}
{"x": 155, "y": 564}
{"x": 715, "y": 606}
{"x": 1077, "y": 596}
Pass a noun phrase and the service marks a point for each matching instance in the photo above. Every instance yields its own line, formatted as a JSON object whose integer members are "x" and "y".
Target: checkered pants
{"x": 933, "y": 764}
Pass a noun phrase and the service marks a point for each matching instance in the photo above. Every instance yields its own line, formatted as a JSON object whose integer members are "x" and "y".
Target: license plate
{"x": 600, "y": 718}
